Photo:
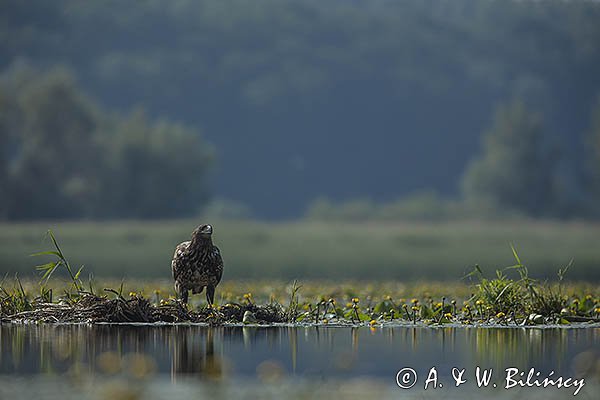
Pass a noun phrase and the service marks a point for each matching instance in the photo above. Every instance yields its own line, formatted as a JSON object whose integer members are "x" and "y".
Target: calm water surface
{"x": 179, "y": 361}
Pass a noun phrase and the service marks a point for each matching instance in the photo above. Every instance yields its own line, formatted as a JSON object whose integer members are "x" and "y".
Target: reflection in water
{"x": 193, "y": 353}
{"x": 217, "y": 353}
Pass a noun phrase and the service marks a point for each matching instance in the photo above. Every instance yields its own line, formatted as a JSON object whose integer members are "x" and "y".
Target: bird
{"x": 196, "y": 264}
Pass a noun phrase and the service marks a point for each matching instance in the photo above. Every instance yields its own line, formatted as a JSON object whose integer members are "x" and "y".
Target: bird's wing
{"x": 177, "y": 262}
{"x": 218, "y": 263}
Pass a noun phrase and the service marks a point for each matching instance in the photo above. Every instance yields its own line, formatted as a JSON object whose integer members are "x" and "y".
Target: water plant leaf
{"x": 426, "y": 312}
{"x": 384, "y": 306}
{"x": 363, "y": 317}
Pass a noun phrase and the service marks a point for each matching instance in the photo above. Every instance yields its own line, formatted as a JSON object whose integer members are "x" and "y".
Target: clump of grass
{"x": 16, "y": 300}
{"x": 524, "y": 299}
{"x": 13, "y": 300}
{"x": 548, "y": 299}
{"x": 76, "y": 285}
{"x": 500, "y": 293}
{"x": 292, "y": 311}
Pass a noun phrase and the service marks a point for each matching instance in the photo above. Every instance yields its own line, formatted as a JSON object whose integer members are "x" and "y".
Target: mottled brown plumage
{"x": 197, "y": 264}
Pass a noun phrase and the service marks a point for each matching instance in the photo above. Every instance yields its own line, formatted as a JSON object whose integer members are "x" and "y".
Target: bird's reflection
{"x": 193, "y": 353}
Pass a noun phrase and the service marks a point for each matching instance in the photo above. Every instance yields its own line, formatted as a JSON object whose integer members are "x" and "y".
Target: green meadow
{"x": 314, "y": 250}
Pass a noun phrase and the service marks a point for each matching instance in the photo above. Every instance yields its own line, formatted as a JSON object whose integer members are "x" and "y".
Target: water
{"x": 179, "y": 361}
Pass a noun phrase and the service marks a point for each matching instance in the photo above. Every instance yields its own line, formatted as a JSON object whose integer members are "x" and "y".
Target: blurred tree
{"x": 50, "y": 156}
{"x": 61, "y": 156}
{"x": 517, "y": 170}
{"x": 154, "y": 170}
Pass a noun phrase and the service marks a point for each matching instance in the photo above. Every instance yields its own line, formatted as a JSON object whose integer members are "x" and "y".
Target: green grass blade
{"x": 515, "y": 254}
{"x": 45, "y": 253}
{"x": 60, "y": 253}
{"x": 20, "y": 286}
{"x": 476, "y": 271}
{"x": 78, "y": 272}
{"x": 46, "y": 266}
{"x": 49, "y": 268}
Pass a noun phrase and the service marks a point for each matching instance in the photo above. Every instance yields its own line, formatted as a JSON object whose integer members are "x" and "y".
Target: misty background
{"x": 300, "y": 110}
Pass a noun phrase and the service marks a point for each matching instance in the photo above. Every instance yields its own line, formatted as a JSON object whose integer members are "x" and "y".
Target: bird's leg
{"x": 182, "y": 293}
{"x": 210, "y": 295}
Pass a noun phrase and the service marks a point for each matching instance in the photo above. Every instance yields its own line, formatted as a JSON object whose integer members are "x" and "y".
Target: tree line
{"x": 64, "y": 156}
{"x": 293, "y": 93}
{"x": 282, "y": 85}
{"x": 521, "y": 171}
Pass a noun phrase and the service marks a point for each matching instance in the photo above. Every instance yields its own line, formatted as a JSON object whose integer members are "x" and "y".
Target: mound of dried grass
{"x": 90, "y": 308}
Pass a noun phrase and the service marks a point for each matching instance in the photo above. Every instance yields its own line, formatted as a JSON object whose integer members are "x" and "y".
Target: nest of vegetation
{"x": 90, "y": 308}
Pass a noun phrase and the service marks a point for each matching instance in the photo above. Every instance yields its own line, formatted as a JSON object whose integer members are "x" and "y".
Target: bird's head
{"x": 202, "y": 232}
